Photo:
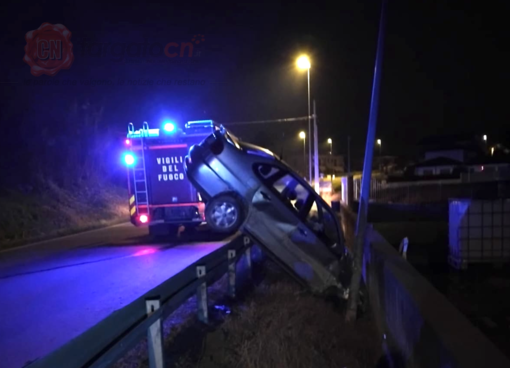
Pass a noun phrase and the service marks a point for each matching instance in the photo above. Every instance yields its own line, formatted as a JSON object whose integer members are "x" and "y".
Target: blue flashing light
{"x": 129, "y": 159}
{"x": 168, "y": 127}
{"x": 200, "y": 122}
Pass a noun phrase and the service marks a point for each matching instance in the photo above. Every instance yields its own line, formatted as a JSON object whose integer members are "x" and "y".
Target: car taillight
{"x": 143, "y": 219}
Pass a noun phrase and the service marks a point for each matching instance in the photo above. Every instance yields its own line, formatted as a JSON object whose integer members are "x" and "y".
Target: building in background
{"x": 329, "y": 165}
{"x": 467, "y": 157}
{"x": 389, "y": 165}
{"x": 438, "y": 166}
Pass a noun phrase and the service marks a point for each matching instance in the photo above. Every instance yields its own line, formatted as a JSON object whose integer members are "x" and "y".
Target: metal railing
{"x": 110, "y": 339}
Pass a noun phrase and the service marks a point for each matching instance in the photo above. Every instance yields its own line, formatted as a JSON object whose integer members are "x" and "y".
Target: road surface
{"x": 51, "y": 292}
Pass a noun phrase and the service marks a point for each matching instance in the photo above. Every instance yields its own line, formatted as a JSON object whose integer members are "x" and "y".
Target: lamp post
{"x": 330, "y": 142}
{"x": 302, "y": 135}
{"x": 303, "y": 62}
{"x": 379, "y": 143}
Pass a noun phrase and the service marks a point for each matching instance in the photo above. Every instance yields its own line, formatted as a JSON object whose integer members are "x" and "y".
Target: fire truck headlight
{"x": 168, "y": 127}
{"x": 129, "y": 159}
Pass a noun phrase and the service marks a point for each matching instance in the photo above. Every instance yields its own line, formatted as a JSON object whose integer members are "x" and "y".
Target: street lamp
{"x": 485, "y": 137}
{"x": 379, "y": 143}
{"x": 330, "y": 146}
{"x": 303, "y": 62}
{"x": 302, "y": 135}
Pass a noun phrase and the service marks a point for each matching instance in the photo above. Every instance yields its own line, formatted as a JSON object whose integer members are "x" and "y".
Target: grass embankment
{"x": 50, "y": 211}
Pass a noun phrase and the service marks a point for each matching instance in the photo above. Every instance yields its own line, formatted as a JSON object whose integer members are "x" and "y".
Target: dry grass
{"x": 277, "y": 325}
{"x": 281, "y": 326}
{"x": 52, "y": 211}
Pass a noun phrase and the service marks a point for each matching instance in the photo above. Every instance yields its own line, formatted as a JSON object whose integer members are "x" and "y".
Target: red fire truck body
{"x": 160, "y": 195}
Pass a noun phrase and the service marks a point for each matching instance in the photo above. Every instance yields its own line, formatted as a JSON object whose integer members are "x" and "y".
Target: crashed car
{"x": 250, "y": 189}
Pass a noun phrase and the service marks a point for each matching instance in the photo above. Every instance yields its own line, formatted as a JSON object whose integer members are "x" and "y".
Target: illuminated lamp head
{"x": 144, "y": 219}
{"x": 168, "y": 127}
{"x": 129, "y": 159}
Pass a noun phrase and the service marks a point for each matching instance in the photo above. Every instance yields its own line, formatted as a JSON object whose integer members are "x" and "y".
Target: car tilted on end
{"x": 248, "y": 188}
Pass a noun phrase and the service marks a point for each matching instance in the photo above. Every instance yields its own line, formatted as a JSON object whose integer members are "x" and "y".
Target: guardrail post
{"x": 231, "y": 273}
{"x": 247, "y": 254}
{"x": 155, "y": 336}
{"x": 203, "y": 315}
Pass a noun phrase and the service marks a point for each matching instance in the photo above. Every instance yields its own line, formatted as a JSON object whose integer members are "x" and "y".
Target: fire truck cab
{"x": 160, "y": 195}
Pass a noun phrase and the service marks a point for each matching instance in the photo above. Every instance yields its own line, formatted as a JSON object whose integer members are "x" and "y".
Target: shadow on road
{"x": 192, "y": 235}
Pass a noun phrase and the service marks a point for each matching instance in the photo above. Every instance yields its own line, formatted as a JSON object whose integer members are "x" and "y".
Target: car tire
{"x": 224, "y": 214}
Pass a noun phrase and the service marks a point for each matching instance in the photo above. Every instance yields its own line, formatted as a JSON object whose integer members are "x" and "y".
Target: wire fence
{"x": 433, "y": 192}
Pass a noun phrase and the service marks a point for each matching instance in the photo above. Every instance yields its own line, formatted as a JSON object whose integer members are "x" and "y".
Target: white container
{"x": 479, "y": 231}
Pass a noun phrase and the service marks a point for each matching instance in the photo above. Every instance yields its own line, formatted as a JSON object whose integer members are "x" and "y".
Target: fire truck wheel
{"x": 224, "y": 214}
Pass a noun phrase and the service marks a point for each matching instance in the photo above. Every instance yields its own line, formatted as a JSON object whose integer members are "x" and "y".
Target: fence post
{"x": 203, "y": 315}
{"x": 231, "y": 273}
{"x": 155, "y": 335}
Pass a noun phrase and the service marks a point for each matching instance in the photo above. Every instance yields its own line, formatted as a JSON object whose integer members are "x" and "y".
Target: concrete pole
{"x": 316, "y": 149}
{"x": 361, "y": 225}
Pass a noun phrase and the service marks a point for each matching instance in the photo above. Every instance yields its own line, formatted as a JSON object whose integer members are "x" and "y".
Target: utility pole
{"x": 309, "y": 133}
{"x": 361, "y": 225}
{"x": 315, "y": 150}
{"x": 349, "y": 155}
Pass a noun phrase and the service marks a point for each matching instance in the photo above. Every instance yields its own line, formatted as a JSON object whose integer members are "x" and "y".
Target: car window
{"x": 291, "y": 191}
{"x": 323, "y": 223}
{"x": 266, "y": 171}
{"x": 310, "y": 209}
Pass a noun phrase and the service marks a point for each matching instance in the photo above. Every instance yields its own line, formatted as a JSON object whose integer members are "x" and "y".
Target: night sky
{"x": 445, "y": 67}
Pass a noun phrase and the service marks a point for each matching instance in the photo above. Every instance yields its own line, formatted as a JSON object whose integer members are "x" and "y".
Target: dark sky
{"x": 445, "y": 66}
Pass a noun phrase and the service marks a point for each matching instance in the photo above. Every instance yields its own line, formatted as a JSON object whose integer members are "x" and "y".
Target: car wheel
{"x": 224, "y": 214}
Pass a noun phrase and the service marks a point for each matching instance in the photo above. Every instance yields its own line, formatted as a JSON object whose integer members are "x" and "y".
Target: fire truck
{"x": 160, "y": 195}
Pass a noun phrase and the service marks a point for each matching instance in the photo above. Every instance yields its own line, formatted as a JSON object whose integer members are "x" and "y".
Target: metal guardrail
{"x": 106, "y": 342}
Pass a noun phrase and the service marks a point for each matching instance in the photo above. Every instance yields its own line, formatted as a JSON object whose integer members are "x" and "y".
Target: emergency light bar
{"x": 138, "y": 133}
{"x": 201, "y": 123}
{"x": 195, "y": 127}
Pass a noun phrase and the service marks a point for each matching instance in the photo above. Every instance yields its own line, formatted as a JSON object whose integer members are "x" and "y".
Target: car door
{"x": 278, "y": 221}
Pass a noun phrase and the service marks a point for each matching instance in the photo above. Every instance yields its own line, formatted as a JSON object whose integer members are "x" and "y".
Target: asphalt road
{"x": 51, "y": 292}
